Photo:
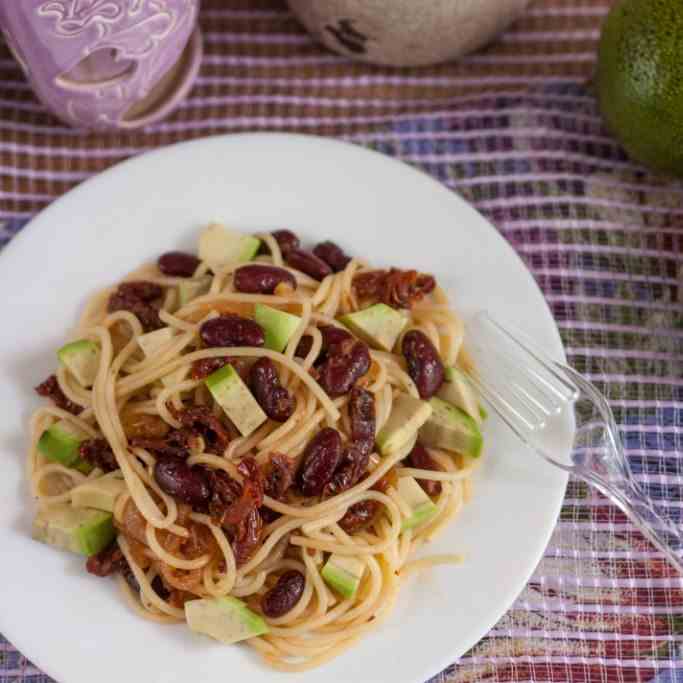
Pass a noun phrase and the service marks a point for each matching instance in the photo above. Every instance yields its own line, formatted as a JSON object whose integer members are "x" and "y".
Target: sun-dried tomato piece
{"x": 204, "y": 423}
{"x": 224, "y": 492}
{"x": 50, "y": 389}
{"x": 107, "y": 562}
{"x": 98, "y": 453}
{"x": 278, "y": 475}
{"x": 176, "y": 444}
{"x": 230, "y": 505}
{"x": 247, "y": 537}
{"x": 138, "y": 298}
{"x": 397, "y": 288}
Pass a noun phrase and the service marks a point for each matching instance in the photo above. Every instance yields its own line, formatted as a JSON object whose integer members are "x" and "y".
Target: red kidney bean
{"x": 424, "y": 365}
{"x": 304, "y": 346}
{"x": 284, "y": 595}
{"x": 204, "y": 367}
{"x": 286, "y": 240}
{"x": 277, "y": 403}
{"x": 231, "y": 330}
{"x": 259, "y": 278}
{"x": 346, "y": 363}
{"x": 333, "y": 255}
{"x": 178, "y": 264}
{"x": 359, "y": 516}
{"x": 308, "y": 263}
{"x": 353, "y": 466}
{"x": 420, "y": 459}
{"x": 321, "y": 459}
{"x": 187, "y": 484}
{"x": 333, "y": 335}
{"x": 362, "y": 414}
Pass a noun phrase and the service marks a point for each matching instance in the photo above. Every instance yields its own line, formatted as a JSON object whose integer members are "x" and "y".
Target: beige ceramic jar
{"x": 406, "y": 32}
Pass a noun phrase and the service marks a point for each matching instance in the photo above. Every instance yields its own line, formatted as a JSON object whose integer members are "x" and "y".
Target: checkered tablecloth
{"x": 515, "y": 130}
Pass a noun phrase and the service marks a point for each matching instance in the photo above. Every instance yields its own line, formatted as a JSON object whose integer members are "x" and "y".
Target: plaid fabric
{"x": 515, "y": 130}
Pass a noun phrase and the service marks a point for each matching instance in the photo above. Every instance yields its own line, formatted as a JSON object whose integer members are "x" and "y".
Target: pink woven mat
{"x": 515, "y": 130}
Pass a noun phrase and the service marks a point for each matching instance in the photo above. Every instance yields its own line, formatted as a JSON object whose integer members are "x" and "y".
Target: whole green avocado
{"x": 640, "y": 80}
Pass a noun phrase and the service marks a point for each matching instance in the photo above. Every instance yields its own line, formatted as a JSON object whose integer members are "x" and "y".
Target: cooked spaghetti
{"x": 256, "y": 440}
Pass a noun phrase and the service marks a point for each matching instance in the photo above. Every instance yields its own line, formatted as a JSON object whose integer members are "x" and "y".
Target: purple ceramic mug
{"x": 105, "y": 63}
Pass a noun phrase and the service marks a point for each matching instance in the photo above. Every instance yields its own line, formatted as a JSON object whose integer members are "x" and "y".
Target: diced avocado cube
{"x": 191, "y": 289}
{"x": 220, "y": 246}
{"x": 379, "y": 325}
{"x": 153, "y": 343}
{"x": 451, "y": 429}
{"x": 78, "y": 530}
{"x": 232, "y": 394}
{"x": 82, "y": 358}
{"x": 343, "y": 574}
{"x": 458, "y": 390}
{"x": 60, "y": 443}
{"x": 100, "y": 493}
{"x": 225, "y": 619}
{"x": 421, "y": 505}
{"x": 408, "y": 414}
{"x": 278, "y": 326}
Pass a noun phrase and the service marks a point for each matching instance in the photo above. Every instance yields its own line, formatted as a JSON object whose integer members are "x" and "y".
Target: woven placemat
{"x": 515, "y": 130}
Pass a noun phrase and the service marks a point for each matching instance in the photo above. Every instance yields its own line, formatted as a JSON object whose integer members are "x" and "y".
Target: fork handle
{"x": 645, "y": 515}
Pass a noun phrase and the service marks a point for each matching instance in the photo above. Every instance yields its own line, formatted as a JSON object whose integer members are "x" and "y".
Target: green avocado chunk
{"x": 232, "y": 394}
{"x": 219, "y": 246}
{"x": 100, "y": 493}
{"x": 451, "y": 429}
{"x": 191, "y": 289}
{"x": 82, "y": 358}
{"x": 153, "y": 343}
{"x": 78, "y": 530}
{"x": 458, "y": 390}
{"x": 225, "y": 619}
{"x": 378, "y": 325}
{"x": 407, "y": 415}
{"x": 343, "y": 574}
{"x": 421, "y": 505}
{"x": 60, "y": 443}
{"x": 278, "y": 326}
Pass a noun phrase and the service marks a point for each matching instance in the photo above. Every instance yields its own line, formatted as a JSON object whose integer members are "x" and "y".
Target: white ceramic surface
{"x": 76, "y": 626}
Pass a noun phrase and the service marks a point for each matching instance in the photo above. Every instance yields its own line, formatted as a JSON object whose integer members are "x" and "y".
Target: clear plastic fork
{"x": 536, "y": 396}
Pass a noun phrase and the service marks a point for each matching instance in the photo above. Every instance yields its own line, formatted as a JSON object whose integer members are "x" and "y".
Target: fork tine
{"x": 537, "y": 400}
{"x": 508, "y": 413}
{"x": 512, "y": 391}
{"x": 571, "y": 392}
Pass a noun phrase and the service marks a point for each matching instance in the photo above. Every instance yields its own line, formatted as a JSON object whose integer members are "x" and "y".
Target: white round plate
{"x": 76, "y": 626}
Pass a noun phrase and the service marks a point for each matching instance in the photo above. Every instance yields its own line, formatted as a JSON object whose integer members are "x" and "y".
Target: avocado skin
{"x": 640, "y": 81}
